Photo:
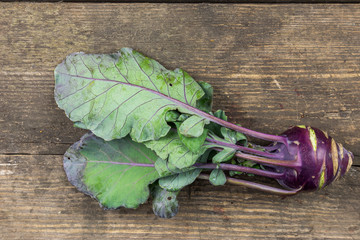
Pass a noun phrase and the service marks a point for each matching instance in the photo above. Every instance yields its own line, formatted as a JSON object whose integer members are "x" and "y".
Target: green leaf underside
{"x": 217, "y": 177}
{"x": 165, "y": 204}
{"x": 116, "y": 94}
{"x": 116, "y": 173}
{"x": 171, "y": 148}
{"x": 177, "y": 181}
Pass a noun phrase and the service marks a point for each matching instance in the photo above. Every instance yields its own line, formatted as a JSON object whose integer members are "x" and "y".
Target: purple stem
{"x": 232, "y": 167}
{"x": 245, "y": 149}
{"x": 284, "y": 162}
{"x": 254, "y": 185}
{"x": 126, "y": 163}
{"x": 271, "y": 148}
{"x": 276, "y": 162}
{"x": 264, "y": 136}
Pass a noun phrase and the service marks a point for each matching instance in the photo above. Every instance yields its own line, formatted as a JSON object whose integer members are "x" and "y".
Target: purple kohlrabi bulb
{"x": 320, "y": 160}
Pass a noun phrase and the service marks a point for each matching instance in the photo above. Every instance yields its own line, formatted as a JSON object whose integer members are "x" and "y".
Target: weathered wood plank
{"x": 37, "y": 202}
{"x": 197, "y": 1}
{"x": 272, "y": 66}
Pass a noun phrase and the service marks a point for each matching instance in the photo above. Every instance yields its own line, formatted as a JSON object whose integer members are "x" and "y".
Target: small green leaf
{"x": 183, "y": 117}
{"x": 180, "y": 180}
{"x": 165, "y": 204}
{"x": 205, "y": 156}
{"x": 172, "y": 116}
{"x": 205, "y": 103}
{"x": 244, "y": 163}
{"x": 221, "y": 114}
{"x": 225, "y": 155}
{"x": 193, "y": 126}
{"x": 217, "y": 177}
{"x": 231, "y": 135}
{"x": 164, "y": 168}
{"x": 215, "y": 128}
{"x": 116, "y": 173}
{"x": 194, "y": 144}
{"x": 174, "y": 151}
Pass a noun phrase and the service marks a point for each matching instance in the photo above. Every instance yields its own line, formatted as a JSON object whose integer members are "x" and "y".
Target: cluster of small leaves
{"x": 144, "y": 129}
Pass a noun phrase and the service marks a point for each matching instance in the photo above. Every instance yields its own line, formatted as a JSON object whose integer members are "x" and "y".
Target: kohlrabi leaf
{"x": 172, "y": 116}
{"x": 116, "y": 94}
{"x": 177, "y": 181}
{"x": 183, "y": 117}
{"x": 205, "y": 103}
{"x": 79, "y": 125}
{"x": 244, "y": 163}
{"x": 231, "y": 135}
{"x": 117, "y": 173}
{"x": 194, "y": 144}
{"x": 215, "y": 128}
{"x": 225, "y": 155}
{"x": 164, "y": 168}
{"x": 165, "y": 204}
{"x": 174, "y": 151}
{"x": 217, "y": 177}
{"x": 193, "y": 126}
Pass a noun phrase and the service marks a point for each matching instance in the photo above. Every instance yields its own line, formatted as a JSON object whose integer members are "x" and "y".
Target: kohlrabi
{"x": 153, "y": 126}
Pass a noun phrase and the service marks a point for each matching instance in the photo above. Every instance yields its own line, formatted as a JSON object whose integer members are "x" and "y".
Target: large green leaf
{"x": 117, "y": 173}
{"x": 116, "y": 94}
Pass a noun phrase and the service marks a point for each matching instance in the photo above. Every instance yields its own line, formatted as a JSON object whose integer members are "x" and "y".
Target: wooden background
{"x": 271, "y": 65}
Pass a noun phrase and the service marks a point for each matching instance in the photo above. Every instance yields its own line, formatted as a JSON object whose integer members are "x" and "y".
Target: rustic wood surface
{"x": 272, "y": 66}
{"x": 197, "y": 1}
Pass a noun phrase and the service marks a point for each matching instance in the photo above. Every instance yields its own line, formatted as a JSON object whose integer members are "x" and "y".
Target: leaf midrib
{"x": 178, "y": 102}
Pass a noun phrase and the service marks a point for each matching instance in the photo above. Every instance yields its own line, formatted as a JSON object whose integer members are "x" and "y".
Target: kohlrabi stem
{"x": 233, "y": 167}
{"x": 254, "y": 185}
{"x": 277, "y": 162}
{"x": 245, "y": 149}
{"x": 270, "y": 148}
{"x": 264, "y": 136}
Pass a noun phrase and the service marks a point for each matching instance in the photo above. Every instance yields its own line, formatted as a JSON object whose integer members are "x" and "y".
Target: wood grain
{"x": 272, "y": 66}
{"x": 198, "y": 1}
{"x": 37, "y": 202}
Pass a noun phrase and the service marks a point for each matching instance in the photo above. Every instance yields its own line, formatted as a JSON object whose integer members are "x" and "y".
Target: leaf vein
{"x": 93, "y": 98}
{"x": 145, "y": 73}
